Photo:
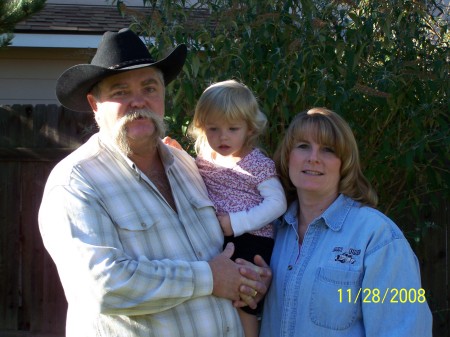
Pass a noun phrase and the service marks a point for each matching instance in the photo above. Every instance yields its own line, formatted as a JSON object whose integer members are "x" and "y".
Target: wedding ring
{"x": 255, "y": 293}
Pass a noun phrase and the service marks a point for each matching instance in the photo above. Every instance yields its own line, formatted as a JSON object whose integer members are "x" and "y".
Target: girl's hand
{"x": 172, "y": 142}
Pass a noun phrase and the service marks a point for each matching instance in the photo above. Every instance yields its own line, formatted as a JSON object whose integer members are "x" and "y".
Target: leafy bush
{"x": 383, "y": 65}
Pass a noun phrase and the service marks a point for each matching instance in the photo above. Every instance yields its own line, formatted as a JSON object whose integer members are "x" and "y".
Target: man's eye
{"x": 118, "y": 93}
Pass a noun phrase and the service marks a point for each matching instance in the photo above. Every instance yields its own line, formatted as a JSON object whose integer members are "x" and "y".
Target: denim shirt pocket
{"x": 332, "y": 303}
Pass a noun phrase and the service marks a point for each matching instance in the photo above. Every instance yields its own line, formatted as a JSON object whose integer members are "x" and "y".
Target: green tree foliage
{"x": 14, "y": 11}
{"x": 383, "y": 65}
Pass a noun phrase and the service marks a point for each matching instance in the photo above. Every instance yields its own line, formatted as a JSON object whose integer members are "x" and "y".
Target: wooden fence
{"x": 32, "y": 141}
{"x": 32, "y": 303}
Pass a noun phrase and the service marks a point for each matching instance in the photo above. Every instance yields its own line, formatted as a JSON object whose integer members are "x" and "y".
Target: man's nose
{"x": 137, "y": 101}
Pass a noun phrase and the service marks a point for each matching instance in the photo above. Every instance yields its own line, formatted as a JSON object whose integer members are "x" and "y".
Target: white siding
{"x": 28, "y": 75}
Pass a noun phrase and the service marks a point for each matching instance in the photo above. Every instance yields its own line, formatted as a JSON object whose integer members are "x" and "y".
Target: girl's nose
{"x": 223, "y": 135}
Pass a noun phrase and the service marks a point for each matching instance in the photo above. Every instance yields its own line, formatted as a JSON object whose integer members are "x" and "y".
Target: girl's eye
{"x": 234, "y": 128}
{"x": 328, "y": 149}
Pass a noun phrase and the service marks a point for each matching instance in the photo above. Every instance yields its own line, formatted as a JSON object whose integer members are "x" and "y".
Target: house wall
{"x": 28, "y": 75}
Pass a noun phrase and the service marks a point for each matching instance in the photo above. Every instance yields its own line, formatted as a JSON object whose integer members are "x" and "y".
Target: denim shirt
{"x": 354, "y": 275}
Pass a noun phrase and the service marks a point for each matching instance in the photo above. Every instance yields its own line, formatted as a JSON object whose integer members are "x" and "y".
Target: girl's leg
{"x": 250, "y": 324}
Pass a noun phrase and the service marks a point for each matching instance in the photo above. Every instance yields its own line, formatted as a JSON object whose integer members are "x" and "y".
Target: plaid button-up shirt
{"x": 129, "y": 264}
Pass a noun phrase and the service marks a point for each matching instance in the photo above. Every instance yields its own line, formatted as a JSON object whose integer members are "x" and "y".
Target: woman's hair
{"x": 326, "y": 128}
{"x": 228, "y": 100}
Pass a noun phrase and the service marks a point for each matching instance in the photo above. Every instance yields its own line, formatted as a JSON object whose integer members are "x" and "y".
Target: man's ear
{"x": 92, "y": 102}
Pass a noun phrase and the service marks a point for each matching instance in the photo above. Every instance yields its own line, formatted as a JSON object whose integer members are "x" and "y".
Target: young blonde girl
{"x": 241, "y": 181}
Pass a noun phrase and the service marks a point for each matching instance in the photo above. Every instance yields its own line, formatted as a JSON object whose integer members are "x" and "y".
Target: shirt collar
{"x": 333, "y": 216}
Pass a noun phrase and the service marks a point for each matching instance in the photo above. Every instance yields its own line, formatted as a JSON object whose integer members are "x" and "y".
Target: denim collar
{"x": 333, "y": 217}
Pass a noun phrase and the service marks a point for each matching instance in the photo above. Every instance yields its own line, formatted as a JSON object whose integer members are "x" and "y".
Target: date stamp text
{"x": 375, "y": 295}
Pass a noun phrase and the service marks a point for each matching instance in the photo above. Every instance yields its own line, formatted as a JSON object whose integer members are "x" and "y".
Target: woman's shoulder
{"x": 375, "y": 221}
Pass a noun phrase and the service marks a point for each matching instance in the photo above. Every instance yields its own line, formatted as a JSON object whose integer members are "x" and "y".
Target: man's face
{"x": 129, "y": 104}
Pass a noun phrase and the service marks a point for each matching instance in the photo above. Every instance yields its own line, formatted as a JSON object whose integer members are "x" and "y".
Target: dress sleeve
{"x": 272, "y": 206}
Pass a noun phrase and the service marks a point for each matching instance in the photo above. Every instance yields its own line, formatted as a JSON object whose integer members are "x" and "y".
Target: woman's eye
{"x": 328, "y": 149}
{"x": 302, "y": 146}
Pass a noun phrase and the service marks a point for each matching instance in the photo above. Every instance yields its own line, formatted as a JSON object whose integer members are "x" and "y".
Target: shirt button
{"x": 143, "y": 225}
{"x": 290, "y": 267}
{"x": 199, "y": 254}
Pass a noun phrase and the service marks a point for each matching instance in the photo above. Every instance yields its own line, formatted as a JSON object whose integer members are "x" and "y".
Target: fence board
{"x": 32, "y": 140}
{"x": 39, "y": 312}
{"x": 10, "y": 296}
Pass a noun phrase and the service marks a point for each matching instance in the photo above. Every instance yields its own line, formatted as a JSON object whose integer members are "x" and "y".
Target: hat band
{"x": 133, "y": 62}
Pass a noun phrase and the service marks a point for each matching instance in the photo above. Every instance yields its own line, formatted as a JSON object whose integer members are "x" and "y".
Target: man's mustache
{"x": 138, "y": 114}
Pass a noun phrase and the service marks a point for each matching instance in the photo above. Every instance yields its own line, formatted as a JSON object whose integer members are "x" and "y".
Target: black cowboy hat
{"x": 116, "y": 53}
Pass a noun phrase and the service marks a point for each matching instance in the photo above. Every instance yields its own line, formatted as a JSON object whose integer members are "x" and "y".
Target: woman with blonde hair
{"x": 340, "y": 267}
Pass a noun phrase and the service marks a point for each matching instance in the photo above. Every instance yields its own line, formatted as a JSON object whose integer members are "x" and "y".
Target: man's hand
{"x": 262, "y": 275}
{"x": 242, "y": 282}
{"x": 226, "y": 275}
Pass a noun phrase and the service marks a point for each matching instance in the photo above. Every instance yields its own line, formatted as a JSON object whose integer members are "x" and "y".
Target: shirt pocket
{"x": 202, "y": 227}
{"x": 332, "y": 304}
{"x": 133, "y": 222}
{"x": 134, "y": 231}
{"x": 198, "y": 202}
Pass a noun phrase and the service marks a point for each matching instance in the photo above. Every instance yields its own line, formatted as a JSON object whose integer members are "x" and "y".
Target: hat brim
{"x": 75, "y": 83}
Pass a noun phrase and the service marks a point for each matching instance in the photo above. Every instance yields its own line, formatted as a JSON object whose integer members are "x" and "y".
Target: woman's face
{"x": 314, "y": 169}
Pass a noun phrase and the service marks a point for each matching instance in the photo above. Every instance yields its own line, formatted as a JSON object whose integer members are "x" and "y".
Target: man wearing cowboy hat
{"x": 127, "y": 219}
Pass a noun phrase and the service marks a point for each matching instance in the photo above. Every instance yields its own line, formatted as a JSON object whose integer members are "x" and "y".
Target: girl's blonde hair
{"x": 327, "y": 128}
{"x": 227, "y": 100}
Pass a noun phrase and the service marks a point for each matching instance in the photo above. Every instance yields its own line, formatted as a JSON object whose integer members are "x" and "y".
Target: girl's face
{"x": 227, "y": 138}
{"x": 314, "y": 169}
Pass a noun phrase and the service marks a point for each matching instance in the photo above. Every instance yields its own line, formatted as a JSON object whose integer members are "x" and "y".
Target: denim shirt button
{"x": 290, "y": 267}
